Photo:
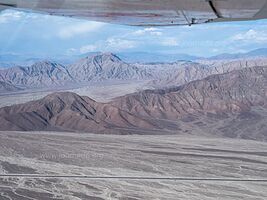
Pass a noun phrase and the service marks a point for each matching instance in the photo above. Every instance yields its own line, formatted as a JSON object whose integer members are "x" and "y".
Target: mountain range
{"x": 106, "y": 66}
{"x": 191, "y": 71}
{"x": 98, "y": 67}
{"x": 254, "y": 53}
{"x": 40, "y": 74}
{"x": 144, "y": 57}
{"x": 10, "y": 59}
{"x": 232, "y": 104}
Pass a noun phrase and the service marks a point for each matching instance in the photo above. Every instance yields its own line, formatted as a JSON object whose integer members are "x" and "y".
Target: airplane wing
{"x": 147, "y": 12}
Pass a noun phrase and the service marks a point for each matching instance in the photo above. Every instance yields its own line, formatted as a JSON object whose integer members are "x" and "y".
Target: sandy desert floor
{"x": 101, "y": 92}
{"x": 135, "y": 167}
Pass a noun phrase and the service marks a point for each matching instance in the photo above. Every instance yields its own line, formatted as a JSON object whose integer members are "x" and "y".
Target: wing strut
{"x": 214, "y": 9}
{"x": 8, "y": 5}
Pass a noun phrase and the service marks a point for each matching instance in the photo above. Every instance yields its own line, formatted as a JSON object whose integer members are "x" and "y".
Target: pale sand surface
{"x": 53, "y": 153}
{"x": 103, "y": 92}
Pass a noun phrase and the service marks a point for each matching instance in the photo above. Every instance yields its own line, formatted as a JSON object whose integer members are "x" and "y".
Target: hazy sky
{"x": 36, "y": 34}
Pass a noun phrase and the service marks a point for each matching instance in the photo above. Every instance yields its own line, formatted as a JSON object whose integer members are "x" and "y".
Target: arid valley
{"x": 103, "y": 128}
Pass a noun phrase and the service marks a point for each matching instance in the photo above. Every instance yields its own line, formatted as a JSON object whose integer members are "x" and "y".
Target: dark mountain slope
{"x": 68, "y": 111}
{"x": 233, "y": 104}
{"x": 235, "y": 91}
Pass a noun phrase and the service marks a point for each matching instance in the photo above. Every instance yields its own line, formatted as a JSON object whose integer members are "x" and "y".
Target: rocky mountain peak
{"x": 102, "y": 58}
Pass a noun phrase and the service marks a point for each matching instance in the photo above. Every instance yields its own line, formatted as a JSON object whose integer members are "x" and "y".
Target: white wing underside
{"x": 147, "y": 12}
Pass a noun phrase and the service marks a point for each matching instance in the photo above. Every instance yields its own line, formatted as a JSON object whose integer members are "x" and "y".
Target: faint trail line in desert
{"x": 131, "y": 178}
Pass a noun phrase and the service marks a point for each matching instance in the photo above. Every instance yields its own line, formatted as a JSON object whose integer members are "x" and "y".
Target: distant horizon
{"x": 8, "y": 61}
{"x": 132, "y": 52}
{"x": 30, "y": 56}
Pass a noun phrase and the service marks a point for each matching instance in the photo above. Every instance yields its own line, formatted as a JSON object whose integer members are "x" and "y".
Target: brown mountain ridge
{"x": 206, "y": 106}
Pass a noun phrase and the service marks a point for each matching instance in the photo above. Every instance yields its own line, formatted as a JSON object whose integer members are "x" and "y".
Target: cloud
{"x": 251, "y": 36}
{"x": 88, "y": 48}
{"x": 71, "y": 51}
{"x": 111, "y": 44}
{"x": 157, "y": 33}
{"x": 169, "y": 41}
{"x": 119, "y": 44}
{"x": 9, "y": 16}
{"x": 151, "y": 31}
{"x": 79, "y": 28}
